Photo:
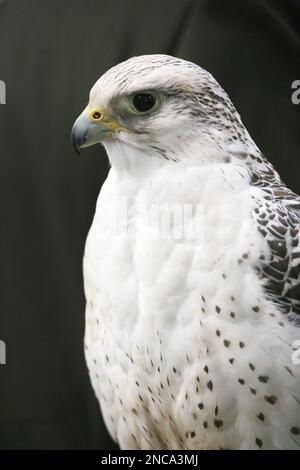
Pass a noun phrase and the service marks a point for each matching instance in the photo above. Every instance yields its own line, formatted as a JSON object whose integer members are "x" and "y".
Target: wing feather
{"x": 277, "y": 216}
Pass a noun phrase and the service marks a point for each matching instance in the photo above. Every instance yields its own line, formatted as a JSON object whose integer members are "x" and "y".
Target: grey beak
{"x": 86, "y": 133}
{"x": 79, "y": 133}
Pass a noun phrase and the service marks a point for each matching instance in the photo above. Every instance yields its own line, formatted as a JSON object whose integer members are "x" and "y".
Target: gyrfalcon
{"x": 191, "y": 313}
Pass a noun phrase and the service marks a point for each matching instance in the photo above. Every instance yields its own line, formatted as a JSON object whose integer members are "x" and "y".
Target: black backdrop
{"x": 51, "y": 52}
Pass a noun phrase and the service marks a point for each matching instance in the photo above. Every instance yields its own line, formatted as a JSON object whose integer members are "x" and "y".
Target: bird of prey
{"x": 190, "y": 332}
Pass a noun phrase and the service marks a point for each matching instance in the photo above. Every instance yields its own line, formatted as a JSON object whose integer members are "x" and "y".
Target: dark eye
{"x": 143, "y": 102}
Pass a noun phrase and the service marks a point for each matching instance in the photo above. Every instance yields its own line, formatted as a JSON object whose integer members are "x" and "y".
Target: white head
{"x": 158, "y": 106}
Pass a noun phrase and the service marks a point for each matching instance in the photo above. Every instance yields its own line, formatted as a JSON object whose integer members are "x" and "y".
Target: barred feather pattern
{"x": 277, "y": 216}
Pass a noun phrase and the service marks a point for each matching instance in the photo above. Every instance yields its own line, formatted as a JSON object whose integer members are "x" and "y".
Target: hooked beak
{"x": 91, "y": 128}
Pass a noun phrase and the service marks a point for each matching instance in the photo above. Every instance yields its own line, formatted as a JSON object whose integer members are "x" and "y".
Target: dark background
{"x": 51, "y": 52}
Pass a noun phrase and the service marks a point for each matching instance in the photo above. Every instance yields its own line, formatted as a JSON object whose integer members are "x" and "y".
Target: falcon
{"x": 191, "y": 267}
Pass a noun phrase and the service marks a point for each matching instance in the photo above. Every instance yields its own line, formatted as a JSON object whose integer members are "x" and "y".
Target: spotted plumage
{"x": 189, "y": 339}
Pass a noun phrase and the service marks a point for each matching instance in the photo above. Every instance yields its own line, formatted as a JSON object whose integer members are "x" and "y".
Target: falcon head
{"x": 160, "y": 106}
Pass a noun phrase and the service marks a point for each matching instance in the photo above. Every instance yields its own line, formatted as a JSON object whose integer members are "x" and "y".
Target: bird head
{"x": 159, "y": 106}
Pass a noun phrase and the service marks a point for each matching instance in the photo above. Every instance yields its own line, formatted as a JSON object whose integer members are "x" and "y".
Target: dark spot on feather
{"x": 210, "y": 385}
{"x": 270, "y": 399}
{"x": 263, "y": 378}
{"x": 260, "y": 416}
{"x": 218, "y": 423}
{"x": 295, "y": 430}
{"x": 289, "y": 371}
{"x": 259, "y": 442}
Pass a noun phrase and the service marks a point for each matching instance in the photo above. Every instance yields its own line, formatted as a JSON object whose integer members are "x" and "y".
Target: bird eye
{"x": 97, "y": 115}
{"x": 143, "y": 102}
